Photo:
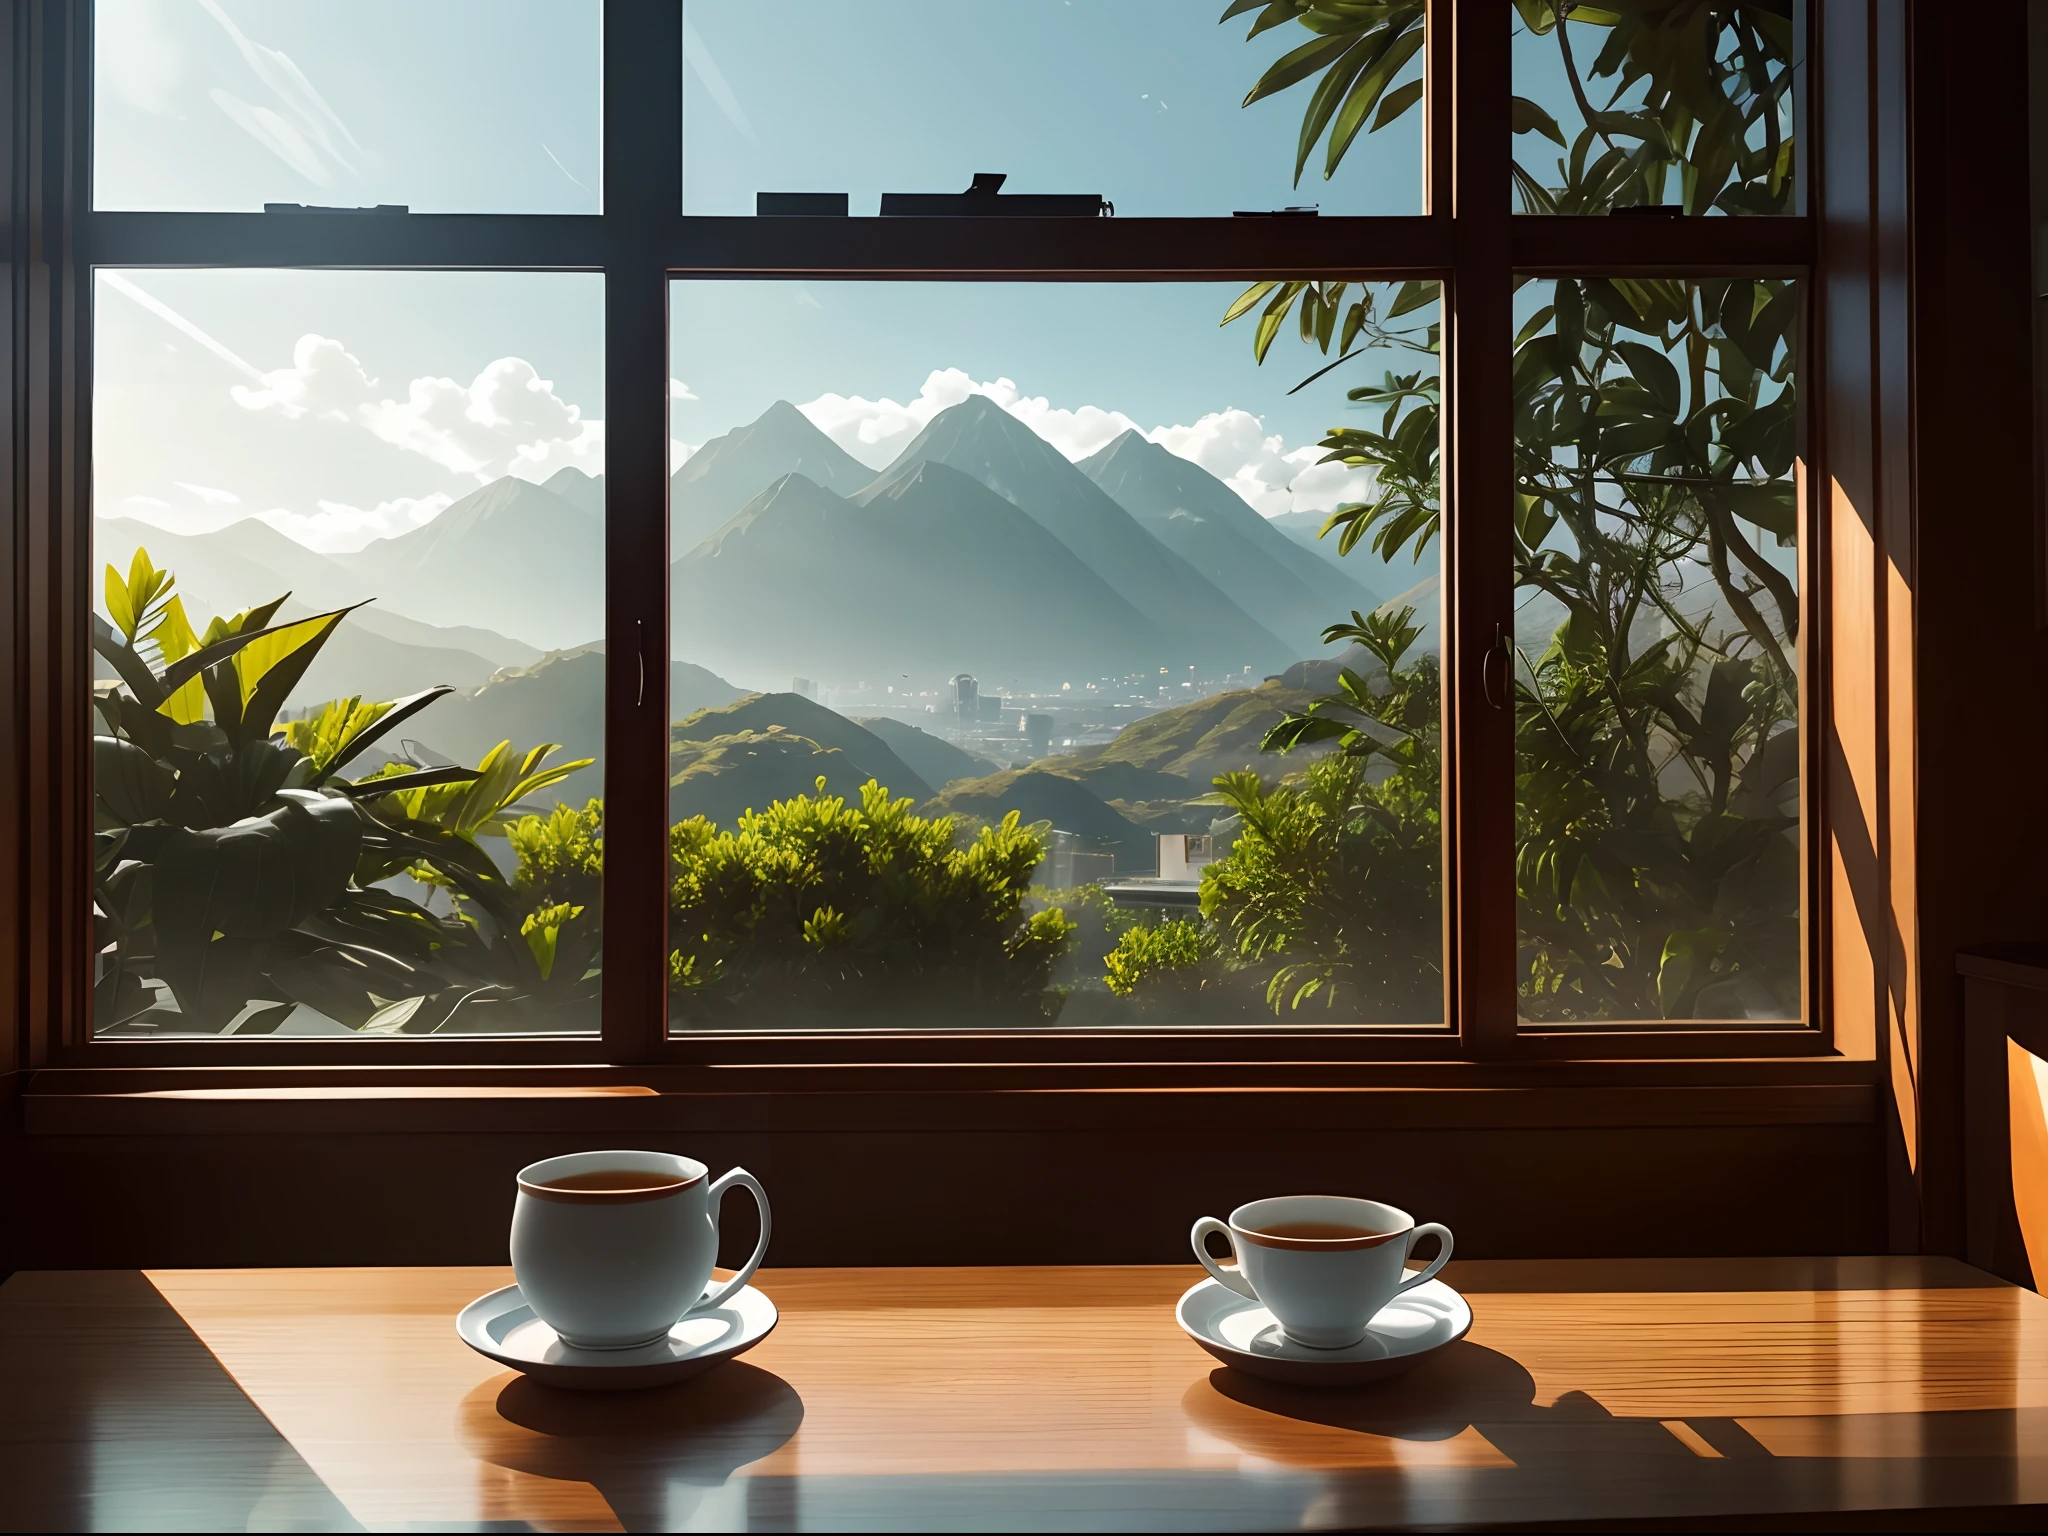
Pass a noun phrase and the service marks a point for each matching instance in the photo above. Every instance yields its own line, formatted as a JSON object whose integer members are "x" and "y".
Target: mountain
{"x": 926, "y": 570}
{"x": 1036, "y": 795}
{"x": 930, "y": 757}
{"x": 725, "y": 776}
{"x": 730, "y": 471}
{"x": 795, "y": 715}
{"x": 1202, "y": 626}
{"x": 1190, "y": 511}
{"x": 229, "y": 569}
{"x": 559, "y": 698}
{"x": 510, "y": 557}
{"x": 581, "y": 491}
{"x": 1197, "y": 741}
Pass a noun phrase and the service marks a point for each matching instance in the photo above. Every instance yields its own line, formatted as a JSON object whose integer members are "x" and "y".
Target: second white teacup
{"x": 1323, "y": 1265}
{"x": 610, "y": 1249}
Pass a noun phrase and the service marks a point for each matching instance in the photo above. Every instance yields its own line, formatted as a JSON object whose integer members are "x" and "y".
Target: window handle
{"x": 640, "y": 655}
{"x": 1499, "y": 649}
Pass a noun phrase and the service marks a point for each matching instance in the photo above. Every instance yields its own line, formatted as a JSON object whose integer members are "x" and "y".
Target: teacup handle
{"x": 1443, "y": 1254}
{"x": 738, "y": 1178}
{"x": 1230, "y": 1279}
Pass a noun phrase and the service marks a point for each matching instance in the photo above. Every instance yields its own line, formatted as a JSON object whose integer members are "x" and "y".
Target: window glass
{"x": 348, "y": 691}
{"x": 1007, "y": 693}
{"x": 1656, "y": 650}
{"x": 1148, "y": 104}
{"x": 459, "y": 106}
{"x": 1690, "y": 108}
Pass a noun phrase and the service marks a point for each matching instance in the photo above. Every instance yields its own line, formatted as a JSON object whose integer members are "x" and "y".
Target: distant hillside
{"x": 560, "y": 698}
{"x": 730, "y": 471}
{"x": 1037, "y": 795}
{"x": 795, "y": 715}
{"x": 1202, "y": 627}
{"x": 510, "y": 557}
{"x": 938, "y": 762}
{"x": 926, "y": 571}
{"x": 1197, "y": 741}
{"x": 1189, "y": 510}
{"x": 724, "y": 776}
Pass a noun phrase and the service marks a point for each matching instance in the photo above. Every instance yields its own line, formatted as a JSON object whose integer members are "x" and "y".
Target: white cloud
{"x": 507, "y": 420}
{"x": 209, "y": 495}
{"x": 678, "y": 390}
{"x": 144, "y": 504}
{"x": 338, "y": 528}
{"x": 1232, "y": 445}
{"x": 324, "y": 380}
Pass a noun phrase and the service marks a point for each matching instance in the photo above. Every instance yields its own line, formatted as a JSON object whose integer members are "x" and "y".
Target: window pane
{"x": 461, "y": 106}
{"x": 994, "y": 604}
{"x": 1142, "y": 102}
{"x": 1693, "y": 108}
{"x": 375, "y": 502}
{"x": 1657, "y": 650}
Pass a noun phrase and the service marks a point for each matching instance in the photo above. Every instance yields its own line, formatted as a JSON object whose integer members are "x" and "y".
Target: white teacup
{"x": 616, "y": 1267}
{"x": 1323, "y": 1265}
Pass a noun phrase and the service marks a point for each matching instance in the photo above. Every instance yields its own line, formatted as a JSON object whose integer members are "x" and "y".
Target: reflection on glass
{"x": 1004, "y": 708}
{"x": 461, "y": 106}
{"x": 1160, "y": 106}
{"x": 1690, "y": 107}
{"x": 1656, "y": 643}
{"x": 348, "y": 710}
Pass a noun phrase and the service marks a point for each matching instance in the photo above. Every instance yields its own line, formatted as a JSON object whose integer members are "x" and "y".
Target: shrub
{"x": 1166, "y": 961}
{"x": 826, "y": 912}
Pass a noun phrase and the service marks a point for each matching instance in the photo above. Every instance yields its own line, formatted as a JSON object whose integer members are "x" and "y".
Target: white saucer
{"x": 1242, "y": 1333}
{"x": 502, "y": 1326}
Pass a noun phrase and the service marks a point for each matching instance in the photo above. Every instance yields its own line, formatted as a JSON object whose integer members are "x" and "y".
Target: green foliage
{"x": 237, "y": 867}
{"x": 1335, "y": 880}
{"x": 1357, "y": 52}
{"x": 827, "y": 912}
{"x": 1164, "y": 962}
{"x": 1656, "y": 428}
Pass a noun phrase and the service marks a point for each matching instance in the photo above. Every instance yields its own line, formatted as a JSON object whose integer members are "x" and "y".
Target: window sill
{"x": 1088, "y": 1099}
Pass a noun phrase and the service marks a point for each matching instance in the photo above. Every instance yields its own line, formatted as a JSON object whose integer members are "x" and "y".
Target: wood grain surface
{"x": 1632, "y": 1390}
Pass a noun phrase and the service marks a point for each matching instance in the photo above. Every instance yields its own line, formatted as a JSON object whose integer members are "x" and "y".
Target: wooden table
{"x": 1677, "y": 1390}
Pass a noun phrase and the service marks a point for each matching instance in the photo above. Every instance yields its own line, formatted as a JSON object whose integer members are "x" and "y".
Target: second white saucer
{"x": 1240, "y": 1332}
{"x": 502, "y": 1326}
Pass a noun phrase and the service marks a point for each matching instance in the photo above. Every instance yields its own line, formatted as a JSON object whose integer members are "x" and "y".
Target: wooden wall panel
{"x": 998, "y": 1197}
{"x": 1982, "y": 732}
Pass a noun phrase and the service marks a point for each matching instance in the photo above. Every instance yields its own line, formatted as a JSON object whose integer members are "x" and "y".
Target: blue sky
{"x": 348, "y": 406}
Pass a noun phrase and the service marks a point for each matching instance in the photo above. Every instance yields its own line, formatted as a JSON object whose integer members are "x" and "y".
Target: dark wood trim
{"x": 613, "y": 1112}
{"x": 1479, "y": 784}
{"x": 642, "y": 196}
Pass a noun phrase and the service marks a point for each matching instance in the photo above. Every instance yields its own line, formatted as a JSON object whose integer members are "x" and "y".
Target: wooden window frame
{"x": 1466, "y": 237}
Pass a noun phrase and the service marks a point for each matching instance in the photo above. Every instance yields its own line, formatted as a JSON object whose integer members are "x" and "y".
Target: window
{"x": 1373, "y": 627}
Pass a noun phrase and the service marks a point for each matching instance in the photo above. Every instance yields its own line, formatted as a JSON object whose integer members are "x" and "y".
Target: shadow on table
{"x": 657, "y": 1456}
{"x": 1607, "y": 1466}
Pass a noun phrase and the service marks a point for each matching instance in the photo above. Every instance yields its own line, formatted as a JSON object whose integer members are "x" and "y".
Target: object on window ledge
{"x": 822, "y": 205}
{"x": 1306, "y": 211}
{"x": 312, "y": 208}
{"x": 981, "y": 200}
{"x": 1648, "y": 211}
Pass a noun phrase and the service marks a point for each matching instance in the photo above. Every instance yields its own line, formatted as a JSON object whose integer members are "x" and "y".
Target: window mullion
{"x": 1478, "y": 538}
{"x": 642, "y": 200}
